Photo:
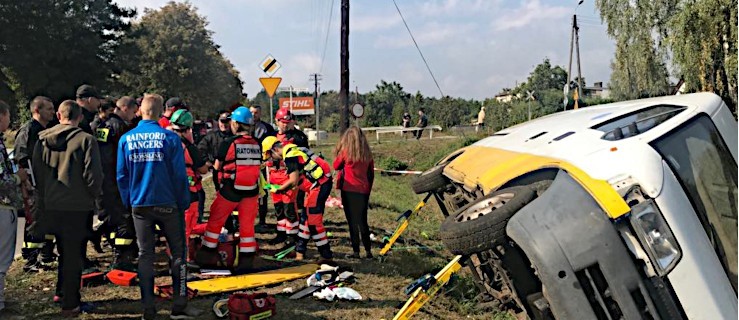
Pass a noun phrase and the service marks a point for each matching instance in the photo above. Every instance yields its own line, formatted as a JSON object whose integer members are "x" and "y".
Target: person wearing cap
{"x": 152, "y": 181}
{"x": 114, "y": 121}
{"x": 312, "y": 174}
{"x": 107, "y": 106}
{"x": 181, "y": 123}
{"x": 238, "y": 164}
{"x": 210, "y": 144}
{"x": 89, "y": 99}
{"x": 173, "y": 104}
{"x": 261, "y": 130}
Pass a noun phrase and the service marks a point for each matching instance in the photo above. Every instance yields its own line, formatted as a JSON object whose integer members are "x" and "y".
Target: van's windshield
{"x": 708, "y": 173}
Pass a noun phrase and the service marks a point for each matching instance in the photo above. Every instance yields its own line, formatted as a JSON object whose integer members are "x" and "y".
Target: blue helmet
{"x": 242, "y": 115}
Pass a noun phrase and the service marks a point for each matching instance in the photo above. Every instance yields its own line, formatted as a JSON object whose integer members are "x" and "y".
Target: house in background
{"x": 597, "y": 91}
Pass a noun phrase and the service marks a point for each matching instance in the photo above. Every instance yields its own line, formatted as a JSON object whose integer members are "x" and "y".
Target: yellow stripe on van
{"x": 490, "y": 168}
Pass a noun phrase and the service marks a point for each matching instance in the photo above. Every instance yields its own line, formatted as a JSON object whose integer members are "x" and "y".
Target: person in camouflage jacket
{"x": 10, "y": 201}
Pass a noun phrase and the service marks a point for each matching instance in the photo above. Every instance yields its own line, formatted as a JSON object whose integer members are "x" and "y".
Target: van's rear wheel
{"x": 431, "y": 180}
{"x": 481, "y": 225}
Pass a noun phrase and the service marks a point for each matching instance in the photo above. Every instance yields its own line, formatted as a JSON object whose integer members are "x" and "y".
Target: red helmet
{"x": 284, "y": 115}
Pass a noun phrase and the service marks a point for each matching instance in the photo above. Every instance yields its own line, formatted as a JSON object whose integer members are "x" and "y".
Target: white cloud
{"x": 531, "y": 11}
{"x": 428, "y": 35}
{"x": 374, "y": 23}
{"x": 467, "y": 7}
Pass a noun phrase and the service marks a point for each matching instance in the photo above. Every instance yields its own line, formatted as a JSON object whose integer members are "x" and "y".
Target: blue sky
{"x": 474, "y": 47}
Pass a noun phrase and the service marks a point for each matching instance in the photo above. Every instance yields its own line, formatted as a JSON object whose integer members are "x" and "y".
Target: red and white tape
{"x": 399, "y": 171}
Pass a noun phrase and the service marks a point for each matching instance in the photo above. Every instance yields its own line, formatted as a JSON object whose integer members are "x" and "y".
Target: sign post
{"x": 269, "y": 66}
{"x": 270, "y": 86}
{"x": 530, "y": 97}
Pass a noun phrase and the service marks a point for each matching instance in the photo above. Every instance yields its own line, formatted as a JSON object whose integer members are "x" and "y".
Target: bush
{"x": 391, "y": 163}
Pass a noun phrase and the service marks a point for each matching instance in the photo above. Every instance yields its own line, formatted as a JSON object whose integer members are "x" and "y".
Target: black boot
{"x": 280, "y": 238}
{"x": 250, "y": 263}
{"x": 246, "y": 263}
{"x": 207, "y": 257}
{"x": 33, "y": 264}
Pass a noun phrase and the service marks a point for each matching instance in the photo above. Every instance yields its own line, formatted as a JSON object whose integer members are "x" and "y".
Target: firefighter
{"x": 288, "y": 204}
{"x": 117, "y": 220}
{"x": 181, "y": 123}
{"x": 238, "y": 164}
{"x": 42, "y": 112}
{"x": 312, "y": 174}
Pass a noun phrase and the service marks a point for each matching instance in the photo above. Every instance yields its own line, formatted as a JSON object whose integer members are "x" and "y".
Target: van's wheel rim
{"x": 484, "y": 207}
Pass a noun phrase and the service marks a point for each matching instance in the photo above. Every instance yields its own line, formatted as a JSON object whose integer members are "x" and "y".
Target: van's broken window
{"x": 634, "y": 123}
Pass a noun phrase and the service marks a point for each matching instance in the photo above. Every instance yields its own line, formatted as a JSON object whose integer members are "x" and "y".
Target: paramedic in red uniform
{"x": 312, "y": 174}
{"x": 181, "y": 123}
{"x": 287, "y": 204}
{"x": 238, "y": 164}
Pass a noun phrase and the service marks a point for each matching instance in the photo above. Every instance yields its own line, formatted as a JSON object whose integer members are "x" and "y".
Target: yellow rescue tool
{"x": 405, "y": 217}
{"x": 425, "y": 288}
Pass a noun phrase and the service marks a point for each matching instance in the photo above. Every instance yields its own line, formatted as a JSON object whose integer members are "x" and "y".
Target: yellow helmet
{"x": 267, "y": 145}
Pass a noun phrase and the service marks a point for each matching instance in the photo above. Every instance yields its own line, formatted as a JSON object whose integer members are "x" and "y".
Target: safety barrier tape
{"x": 399, "y": 171}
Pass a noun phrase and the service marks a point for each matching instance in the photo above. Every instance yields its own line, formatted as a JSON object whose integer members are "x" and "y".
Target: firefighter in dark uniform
{"x": 42, "y": 111}
{"x": 117, "y": 221}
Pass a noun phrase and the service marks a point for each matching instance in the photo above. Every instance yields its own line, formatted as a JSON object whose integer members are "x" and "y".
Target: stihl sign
{"x": 299, "y": 105}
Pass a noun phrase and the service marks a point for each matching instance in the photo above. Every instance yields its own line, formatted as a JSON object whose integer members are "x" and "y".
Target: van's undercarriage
{"x": 562, "y": 254}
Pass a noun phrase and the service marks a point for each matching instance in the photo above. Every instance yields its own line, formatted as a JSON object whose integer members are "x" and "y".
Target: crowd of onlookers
{"x": 138, "y": 163}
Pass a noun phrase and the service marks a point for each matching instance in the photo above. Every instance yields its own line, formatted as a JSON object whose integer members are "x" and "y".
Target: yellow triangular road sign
{"x": 270, "y": 85}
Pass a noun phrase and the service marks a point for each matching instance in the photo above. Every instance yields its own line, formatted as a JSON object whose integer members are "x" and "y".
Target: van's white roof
{"x": 585, "y": 140}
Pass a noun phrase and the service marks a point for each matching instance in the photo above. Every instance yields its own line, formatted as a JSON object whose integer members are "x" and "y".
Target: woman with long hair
{"x": 355, "y": 168}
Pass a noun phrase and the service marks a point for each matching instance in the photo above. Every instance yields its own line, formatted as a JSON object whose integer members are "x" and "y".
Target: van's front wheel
{"x": 481, "y": 225}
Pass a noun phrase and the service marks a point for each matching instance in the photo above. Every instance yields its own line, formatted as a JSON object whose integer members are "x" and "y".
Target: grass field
{"x": 380, "y": 283}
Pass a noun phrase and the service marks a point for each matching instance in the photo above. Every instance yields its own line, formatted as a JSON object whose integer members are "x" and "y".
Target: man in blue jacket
{"x": 153, "y": 182}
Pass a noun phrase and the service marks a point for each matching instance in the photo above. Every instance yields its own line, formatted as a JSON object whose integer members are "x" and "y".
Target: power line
{"x": 419, "y": 49}
{"x": 328, "y": 31}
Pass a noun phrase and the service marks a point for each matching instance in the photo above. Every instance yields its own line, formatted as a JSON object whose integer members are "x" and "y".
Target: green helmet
{"x": 181, "y": 119}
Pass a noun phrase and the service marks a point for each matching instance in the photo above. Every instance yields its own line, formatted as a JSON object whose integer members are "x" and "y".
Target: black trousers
{"x": 72, "y": 229}
{"x": 355, "y": 209}
{"x": 172, "y": 223}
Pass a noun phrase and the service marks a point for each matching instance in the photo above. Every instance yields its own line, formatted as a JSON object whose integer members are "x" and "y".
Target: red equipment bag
{"x": 245, "y": 306}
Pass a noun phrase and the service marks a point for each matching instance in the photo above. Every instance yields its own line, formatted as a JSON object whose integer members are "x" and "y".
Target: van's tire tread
{"x": 431, "y": 180}
{"x": 485, "y": 232}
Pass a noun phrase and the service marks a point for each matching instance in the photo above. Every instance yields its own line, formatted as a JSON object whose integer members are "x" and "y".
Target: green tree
{"x": 51, "y": 47}
{"x": 543, "y": 77}
{"x": 638, "y": 67}
{"x": 702, "y": 39}
{"x": 171, "y": 52}
{"x": 699, "y": 37}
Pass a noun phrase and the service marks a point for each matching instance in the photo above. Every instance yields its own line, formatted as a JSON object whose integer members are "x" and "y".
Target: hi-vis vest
{"x": 193, "y": 176}
{"x": 242, "y": 163}
{"x": 315, "y": 169}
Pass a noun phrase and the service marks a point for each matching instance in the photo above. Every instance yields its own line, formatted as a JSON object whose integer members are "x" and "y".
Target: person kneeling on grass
{"x": 312, "y": 174}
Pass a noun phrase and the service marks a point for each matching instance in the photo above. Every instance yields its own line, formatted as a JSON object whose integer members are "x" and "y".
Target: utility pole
{"x": 316, "y": 78}
{"x": 577, "y": 48}
{"x": 574, "y": 40}
{"x": 344, "y": 90}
